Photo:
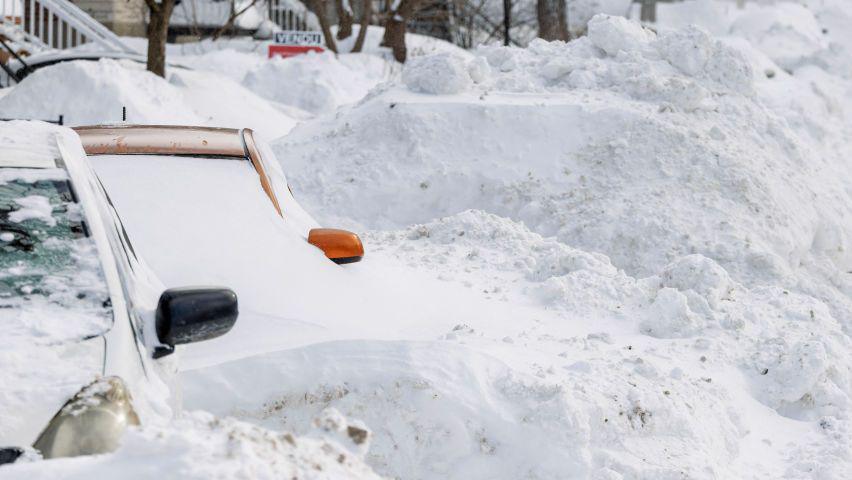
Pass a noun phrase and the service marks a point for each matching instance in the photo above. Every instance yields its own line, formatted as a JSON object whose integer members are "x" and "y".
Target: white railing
{"x": 203, "y": 14}
{"x": 200, "y": 13}
{"x": 290, "y": 15}
{"x": 58, "y": 24}
{"x": 285, "y": 17}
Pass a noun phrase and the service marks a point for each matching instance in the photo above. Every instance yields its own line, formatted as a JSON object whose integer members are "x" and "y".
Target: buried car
{"x": 87, "y": 338}
{"x": 20, "y": 67}
{"x": 140, "y": 146}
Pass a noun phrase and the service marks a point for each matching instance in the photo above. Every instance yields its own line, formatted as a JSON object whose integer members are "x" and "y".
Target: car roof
{"x": 26, "y": 158}
{"x": 28, "y": 145}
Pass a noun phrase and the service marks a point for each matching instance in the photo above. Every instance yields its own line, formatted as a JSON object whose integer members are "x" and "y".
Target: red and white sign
{"x": 292, "y": 43}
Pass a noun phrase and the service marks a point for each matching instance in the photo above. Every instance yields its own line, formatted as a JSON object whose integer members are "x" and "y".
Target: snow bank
{"x": 684, "y": 68}
{"x": 94, "y": 92}
{"x": 87, "y": 92}
{"x": 609, "y": 375}
{"x": 668, "y": 224}
{"x": 641, "y": 156}
{"x": 201, "y": 446}
{"x": 788, "y": 33}
{"x": 317, "y": 83}
{"x": 437, "y": 74}
{"x": 444, "y": 411}
{"x": 229, "y": 62}
{"x": 625, "y": 256}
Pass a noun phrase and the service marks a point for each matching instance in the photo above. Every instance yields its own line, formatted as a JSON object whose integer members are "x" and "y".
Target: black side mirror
{"x": 186, "y": 315}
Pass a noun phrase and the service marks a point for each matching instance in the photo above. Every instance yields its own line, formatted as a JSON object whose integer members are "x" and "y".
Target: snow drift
{"x": 621, "y": 257}
{"x": 94, "y": 92}
{"x": 657, "y": 149}
{"x": 672, "y": 218}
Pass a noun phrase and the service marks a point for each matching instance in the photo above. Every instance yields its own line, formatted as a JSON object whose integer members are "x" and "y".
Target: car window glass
{"x": 49, "y": 266}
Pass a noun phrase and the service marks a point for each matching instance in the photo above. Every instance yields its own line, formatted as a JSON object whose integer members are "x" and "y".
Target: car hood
{"x": 38, "y": 377}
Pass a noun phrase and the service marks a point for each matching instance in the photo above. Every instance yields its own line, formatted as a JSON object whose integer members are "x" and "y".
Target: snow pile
{"x": 722, "y": 331}
{"x": 318, "y": 83}
{"x": 791, "y": 34}
{"x": 94, "y": 92}
{"x": 626, "y": 256}
{"x": 581, "y": 11}
{"x": 788, "y": 33}
{"x": 438, "y": 74}
{"x": 683, "y": 67}
{"x": 86, "y": 92}
{"x": 201, "y": 446}
{"x": 469, "y": 432}
{"x": 229, "y": 62}
{"x": 627, "y": 164}
{"x": 666, "y": 231}
{"x": 417, "y": 45}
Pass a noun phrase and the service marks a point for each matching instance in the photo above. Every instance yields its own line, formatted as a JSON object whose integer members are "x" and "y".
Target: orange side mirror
{"x": 340, "y": 246}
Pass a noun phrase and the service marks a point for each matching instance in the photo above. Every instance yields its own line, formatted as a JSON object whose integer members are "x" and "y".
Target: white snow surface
{"x": 622, "y": 257}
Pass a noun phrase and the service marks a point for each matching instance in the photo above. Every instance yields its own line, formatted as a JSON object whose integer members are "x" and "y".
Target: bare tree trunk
{"x": 395, "y": 28}
{"x": 648, "y": 11}
{"x": 366, "y": 14}
{"x": 552, "y": 20}
{"x": 507, "y": 22}
{"x": 158, "y": 31}
{"x": 345, "y": 19}
{"x": 318, "y": 6}
{"x": 232, "y": 19}
{"x": 395, "y": 38}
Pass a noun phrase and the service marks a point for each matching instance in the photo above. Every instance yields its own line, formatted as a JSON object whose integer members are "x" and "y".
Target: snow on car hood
{"x": 209, "y": 223}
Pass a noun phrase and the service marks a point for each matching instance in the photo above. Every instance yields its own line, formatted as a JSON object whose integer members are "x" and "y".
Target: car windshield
{"x": 50, "y": 272}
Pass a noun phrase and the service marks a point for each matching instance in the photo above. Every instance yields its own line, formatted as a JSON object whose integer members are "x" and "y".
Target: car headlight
{"x": 93, "y": 421}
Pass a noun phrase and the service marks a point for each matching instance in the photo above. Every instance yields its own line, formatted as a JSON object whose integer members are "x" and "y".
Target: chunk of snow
{"x": 670, "y": 316}
{"x": 33, "y": 207}
{"x": 614, "y": 34}
{"x": 441, "y": 74}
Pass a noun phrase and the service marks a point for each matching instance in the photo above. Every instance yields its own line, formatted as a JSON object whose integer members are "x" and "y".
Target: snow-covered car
{"x": 149, "y": 143}
{"x": 21, "y": 68}
{"x": 86, "y": 333}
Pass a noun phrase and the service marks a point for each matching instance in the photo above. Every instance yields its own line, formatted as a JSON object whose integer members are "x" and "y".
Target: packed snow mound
{"x": 416, "y": 44}
{"x": 685, "y": 68}
{"x": 759, "y": 351}
{"x": 201, "y": 446}
{"x": 581, "y": 11}
{"x": 318, "y": 83}
{"x": 557, "y": 276}
{"x": 442, "y": 73}
{"x": 94, "y": 92}
{"x": 657, "y": 153}
{"x": 228, "y": 62}
{"x": 787, "y": 32}
{"x": 791, "y": 34}
{"x": 444, "y": 410}
{"x": 88, "y": 92}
